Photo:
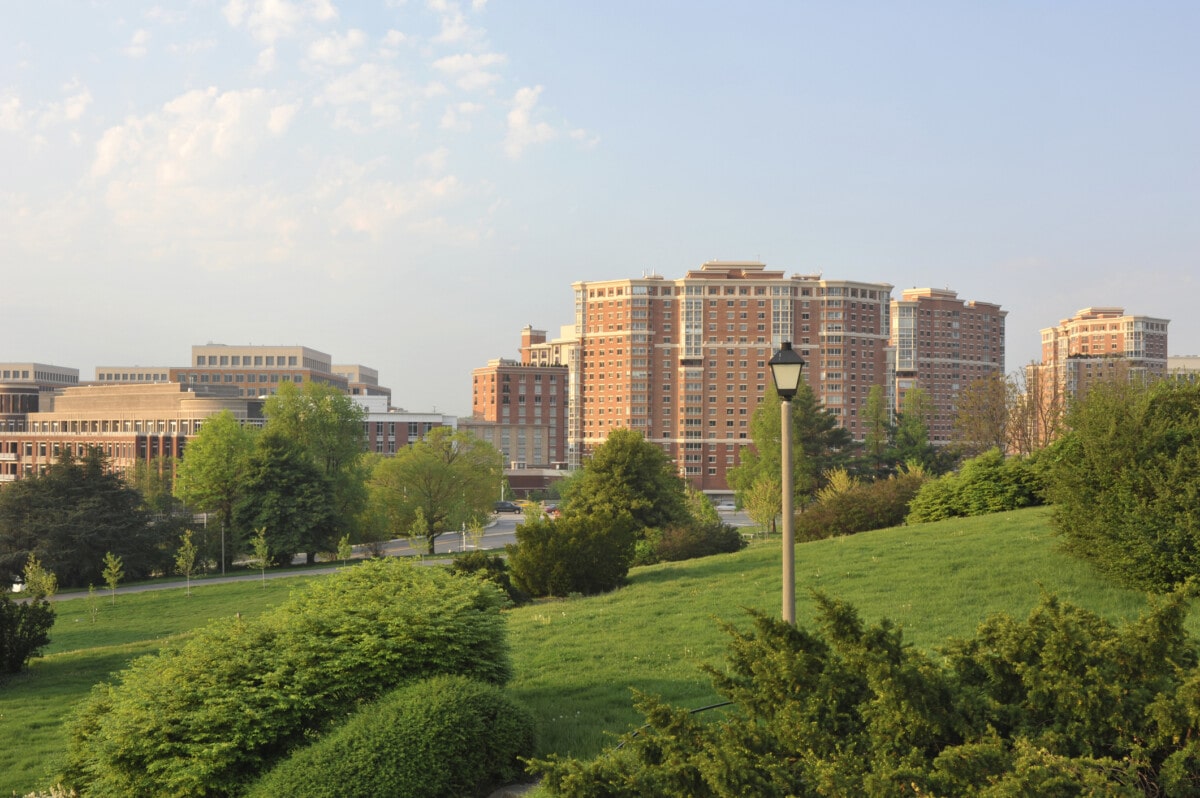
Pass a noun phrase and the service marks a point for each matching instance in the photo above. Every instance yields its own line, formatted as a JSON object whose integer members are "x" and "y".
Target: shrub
{"x": 988, "y": 483}
{"x": 585, "y": 554}
{"x": 24, "y": 631}
{"x": 443, "y": 737}
{"x": 493, "y": 568}
{"x": 219, "y": 708}
{"x": 859, "y": 508}
{"x": 697, "y": 540}
{"x": 1063, "y": 703}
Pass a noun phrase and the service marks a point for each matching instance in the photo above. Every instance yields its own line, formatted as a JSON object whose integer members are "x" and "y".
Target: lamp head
{"x": 786, "y": 367}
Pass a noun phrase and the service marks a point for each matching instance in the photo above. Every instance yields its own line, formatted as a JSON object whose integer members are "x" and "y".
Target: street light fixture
{"x": 786, "y": 368}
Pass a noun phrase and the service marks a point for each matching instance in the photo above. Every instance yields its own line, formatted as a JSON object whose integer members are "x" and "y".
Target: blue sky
{"x": 408, "y": 184}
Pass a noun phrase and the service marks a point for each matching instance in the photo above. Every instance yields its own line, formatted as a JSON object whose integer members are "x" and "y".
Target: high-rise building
{"x": 684, "y": 361}
{"x": 1096, "y": 344}
{"x": 521, "y": 409}
{"x": 942, "y": 344}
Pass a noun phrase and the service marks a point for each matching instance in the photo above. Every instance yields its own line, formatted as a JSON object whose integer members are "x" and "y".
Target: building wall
{"x": 526, "y": 406}
{"x": 257, "y": 370}
{"x": 942, "y": 345}
{"x": 684, "y": 361}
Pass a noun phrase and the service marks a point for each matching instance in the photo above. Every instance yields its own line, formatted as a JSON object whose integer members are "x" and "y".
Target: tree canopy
{"x": 212, "y": 475}
{"x": 446, "y": 480}
{"x": 70, "y": 516}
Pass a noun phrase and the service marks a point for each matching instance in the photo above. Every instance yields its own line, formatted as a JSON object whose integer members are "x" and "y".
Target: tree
{"x": 185, "y": 558}
{"x": 819, "y": 445}
{"x": 1038, "y": 411}
{"x": 628, "y": 475}
{"x": 212, "y": 475}
{"x": 114, "y": 571}
{"x": 575, "y": 553}
{"x": 155, "y": 481}
{"x": 344, "y": 549}
{"x": 450, "y": 477}
{"x": 879, "y": 431}
{"x": 284, "y": 492}
{"x": 38, "y": 582}
{"x": 1123, "y": 482}
{"x": 700, "y": 507}
{"x": 328, "y": 425}
{"x": 262, "y": 552}
{"x": 764, "y": 503}
{"x": 984, "y": 412}
{"x": 69, "y": 516}
{"x": 912, "y": 431}
{"x": 24, "y": 631}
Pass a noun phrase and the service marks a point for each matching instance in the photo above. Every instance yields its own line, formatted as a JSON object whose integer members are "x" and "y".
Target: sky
{"x": 406, "y": 184}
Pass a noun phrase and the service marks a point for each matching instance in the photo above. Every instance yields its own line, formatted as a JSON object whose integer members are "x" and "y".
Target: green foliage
{"x": 988, "y": 483}
{"x": 436, "y": 485}
{"x": 491, "y": 567}
{"x": 114, "y": 572}
{"x": 327, "y": 425}
{"x": 215, "y": 710}
{"x": 24, "y": 631}
{"x": 575, "y": 553}
{"x": 1063, "y": 703}
{"x": 443, "y": 737}
{"x": 628, "y": 475}
{"x": 819, "y": 445}
{"x": 212, "y": 474}
{"x": 912, "y": 432}
{"x": 700, "y": 507}
{"x": 38, "y": 582}
{"x": 1125, "y": 482}
{"x": 858, "y": 507}
{"x": 68, "y": 517}
{"x": 688, "y": 541}
{"x": 284, "y": 492}
{"x": 185, "y": 558}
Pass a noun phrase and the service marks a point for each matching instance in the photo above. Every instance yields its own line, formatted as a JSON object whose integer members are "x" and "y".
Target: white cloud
{"x": 337, "y": 49}
{"x": 281, "y": 117}
{"x": 470, "y": 70}
{"x": 586, "y": 139}
{"x": 268, "y": 21}
{"x": 523, "y": 131}
{"x": 457, "y": 117}
{"x": 266, "y": 60}
{"x": 434, "y": 161}
{"x": 12, "y": 117}
{"x": 374, "y": 208}
{"x": 389, "y": 46}
{"x": 137, "y": 45}
{"x": 381, "y": 90}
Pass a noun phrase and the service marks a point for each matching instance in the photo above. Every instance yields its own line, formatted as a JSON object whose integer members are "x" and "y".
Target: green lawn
{"x": 577, "y": 661}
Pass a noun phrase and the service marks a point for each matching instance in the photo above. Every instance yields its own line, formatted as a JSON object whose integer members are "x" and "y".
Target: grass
{"x": 577, "y": 661}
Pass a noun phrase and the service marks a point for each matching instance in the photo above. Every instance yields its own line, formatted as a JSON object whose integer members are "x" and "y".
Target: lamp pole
{"x": 786, "y": 368}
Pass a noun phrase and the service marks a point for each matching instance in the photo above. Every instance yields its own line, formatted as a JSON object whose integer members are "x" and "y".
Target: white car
{"x": 726, "y": 507}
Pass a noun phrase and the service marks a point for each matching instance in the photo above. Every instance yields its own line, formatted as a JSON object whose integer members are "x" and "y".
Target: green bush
{"x": 444, "y": 737}
{"x": 988, "y": 483}
{"x": 1126, "y": 482}
{"x": 216, "y": 710}
{"x": 24, "y": 631}
{"x": 688, "y": 541}
{"x": 1061, "y": 704}
{"x": 493, "y": 568}
{"x": 862, "y": 507}
{"x": 585, "y": 554}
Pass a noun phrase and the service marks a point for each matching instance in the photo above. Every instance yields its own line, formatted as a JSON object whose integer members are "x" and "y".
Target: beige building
{"x": 128, "y": 423}
{"x": 942, "y": 344}
{"x": 257, "y": 370}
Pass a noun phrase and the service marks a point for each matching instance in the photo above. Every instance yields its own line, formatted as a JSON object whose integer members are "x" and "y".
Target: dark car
{"x": 506, "y": 507}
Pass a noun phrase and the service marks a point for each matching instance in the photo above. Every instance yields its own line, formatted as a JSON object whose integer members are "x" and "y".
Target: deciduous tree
{"x": 212, "y": 476}
{"x": 449, "y": 477}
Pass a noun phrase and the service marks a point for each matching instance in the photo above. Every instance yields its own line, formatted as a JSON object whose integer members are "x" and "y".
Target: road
{"x": 500, "y": 532}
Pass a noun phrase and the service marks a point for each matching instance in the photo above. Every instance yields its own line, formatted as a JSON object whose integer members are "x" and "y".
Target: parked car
{"x": 506, "y": 507}
{"x": 726, "y": 507}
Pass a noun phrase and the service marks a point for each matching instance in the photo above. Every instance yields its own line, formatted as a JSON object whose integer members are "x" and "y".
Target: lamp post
{"x": 786, "y": 367}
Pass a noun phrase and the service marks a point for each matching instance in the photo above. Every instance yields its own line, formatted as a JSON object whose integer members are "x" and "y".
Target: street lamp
{"x": 786, "y": 367}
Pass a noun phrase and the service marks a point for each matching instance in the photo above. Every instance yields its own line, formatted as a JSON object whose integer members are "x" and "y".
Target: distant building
{"x": 521, "y": 409}
{"x": 46, "y": 379}
{"x": 125, "y": 375}
{"x": 942, "y": 344}
{"x": 684, "y": 361}
{"x": 128, "y": 423}
{"x": 362, "y": 381}
{"x": 1094, "y": 345}
{"x": 387, "y": 429}
{"x": 257, "y": 370}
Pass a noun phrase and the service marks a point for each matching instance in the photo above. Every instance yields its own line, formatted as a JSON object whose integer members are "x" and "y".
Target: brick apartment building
{"x": 942, "y": 344}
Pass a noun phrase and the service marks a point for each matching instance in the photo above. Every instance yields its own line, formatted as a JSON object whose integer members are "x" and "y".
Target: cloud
{"x": 434, "y": 161}
{"x": 337, "y": 50}
{"x": 470, "y": 70}
{"x": 374, "y": 208}
{"x": 522, "y": 130}
{"x": 389, "y": 46}
{"x": 381, "y": 90}
{"x": 12, "y": 117}
{"x": 457, "y": 117}
{"x": 586, "y": 139}
{"x": 268, "y": 21}
{"x": 137, "y": 45}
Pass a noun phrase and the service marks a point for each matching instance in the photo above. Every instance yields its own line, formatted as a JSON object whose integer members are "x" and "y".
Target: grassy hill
{"x": 577, "y": 660}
